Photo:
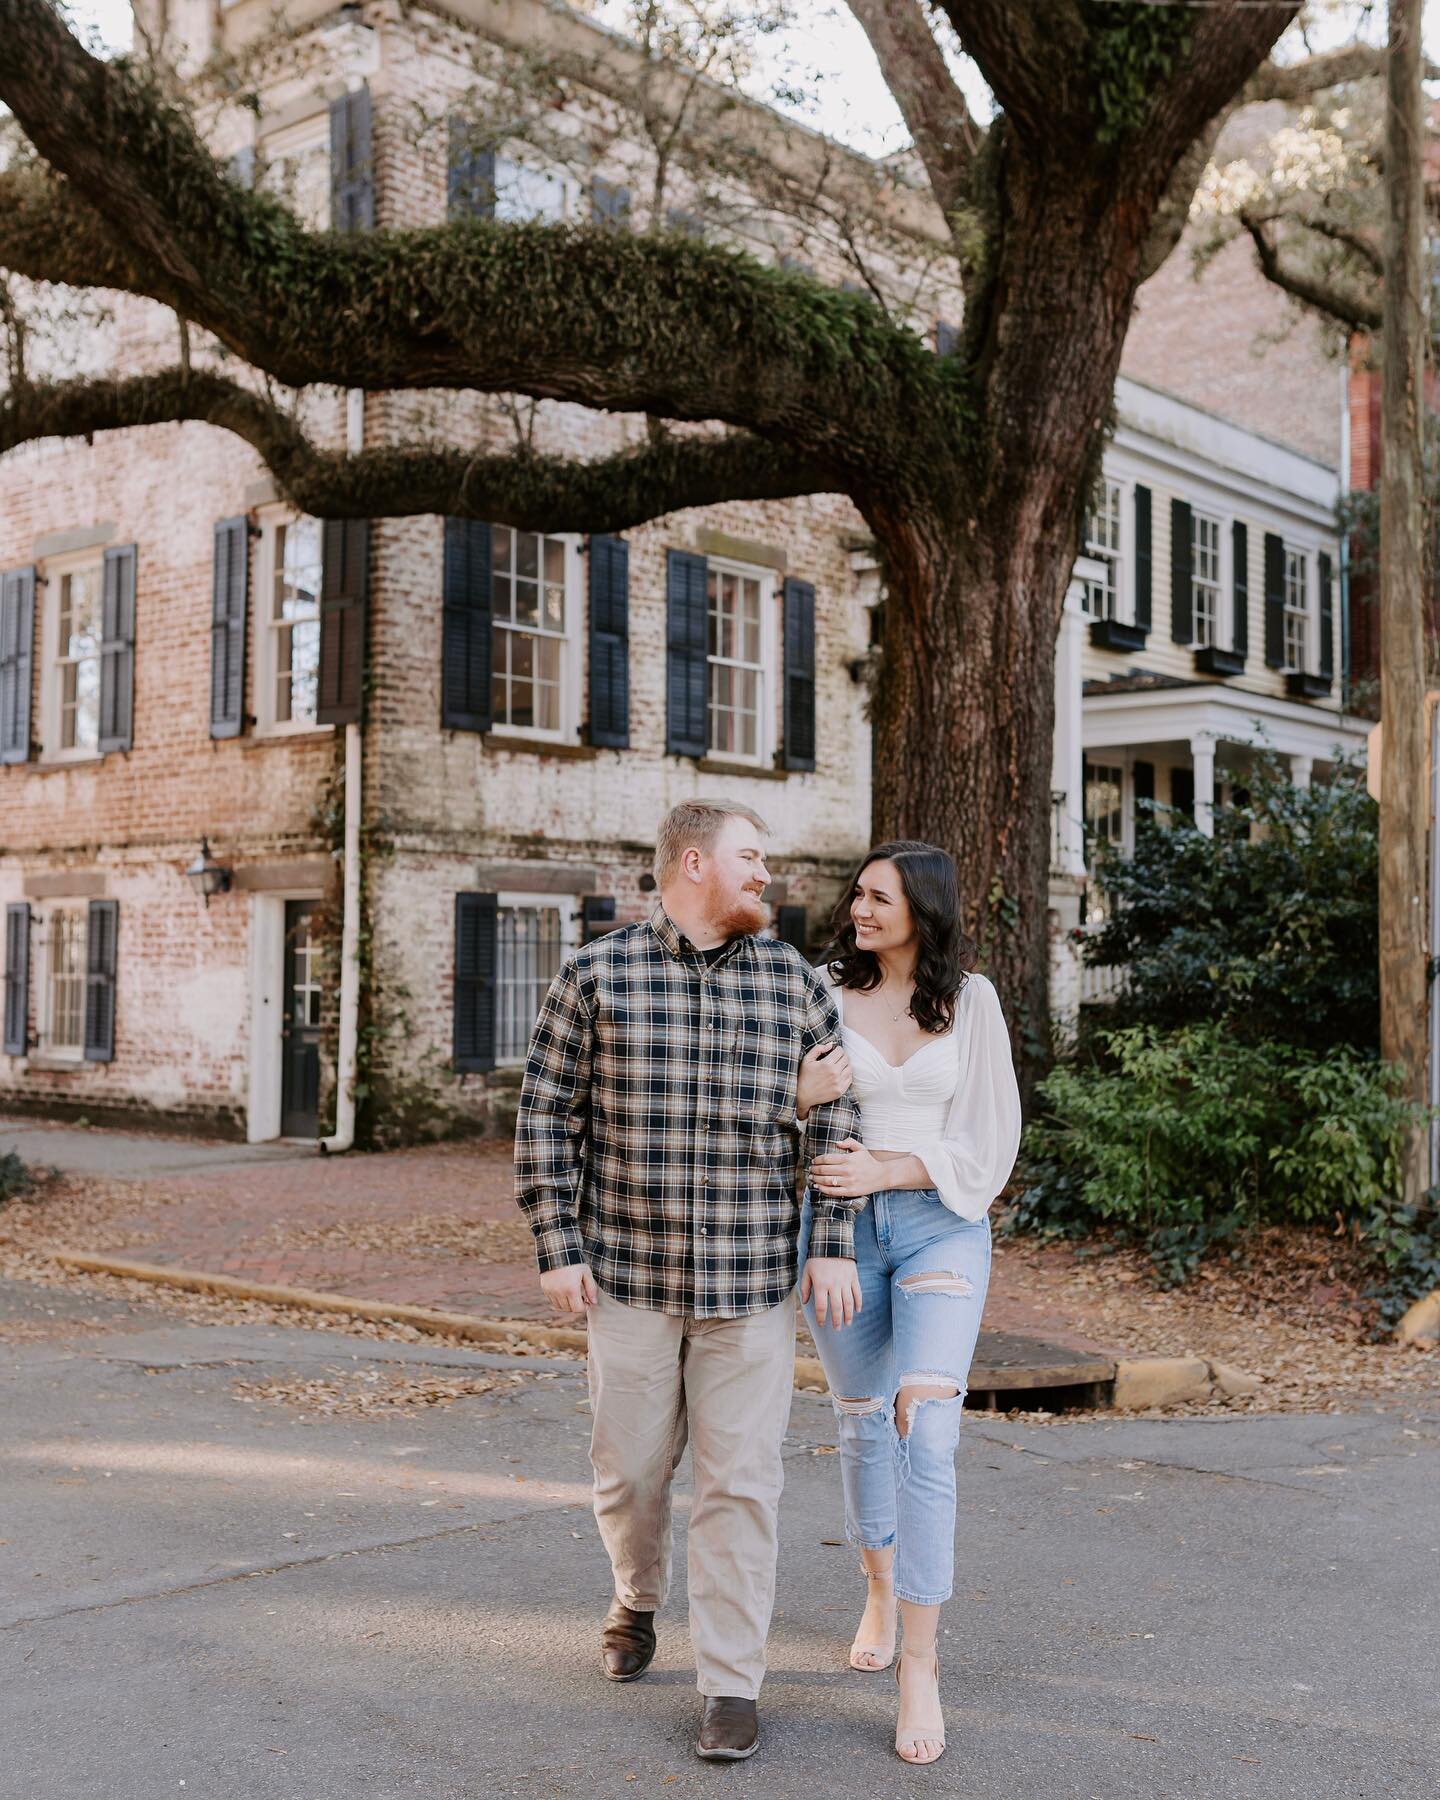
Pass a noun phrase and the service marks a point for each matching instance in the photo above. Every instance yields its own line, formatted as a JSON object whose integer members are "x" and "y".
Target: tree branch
{"x": 614, "y": 322}
{"x": 1348, "y": 305}
{"x": 1317, "y": 74}
{"x": 914, "y": 67}
{"x": 517, "y": 487}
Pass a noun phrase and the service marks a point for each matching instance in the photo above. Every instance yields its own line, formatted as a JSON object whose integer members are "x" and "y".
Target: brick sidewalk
{"x": 434, "y": 1226}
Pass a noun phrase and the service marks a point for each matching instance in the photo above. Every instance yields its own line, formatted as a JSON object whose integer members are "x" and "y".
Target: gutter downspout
{"x": 344, "y": 1134}
{"x": 1345, "y": 657}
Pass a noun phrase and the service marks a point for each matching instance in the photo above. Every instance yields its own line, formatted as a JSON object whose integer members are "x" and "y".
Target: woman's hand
{"x": 848, "y": 1172}
{"x": 824, "y": 1076}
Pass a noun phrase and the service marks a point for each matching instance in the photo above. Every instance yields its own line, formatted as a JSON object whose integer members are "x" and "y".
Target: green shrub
{"x": 1179, "y": 1140}
{"x": 17, "y": 1179}
{"x": 1271, "y": 925}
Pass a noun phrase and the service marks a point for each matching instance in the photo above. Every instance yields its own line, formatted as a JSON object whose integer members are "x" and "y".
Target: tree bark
{"x": 1404, "y": 794}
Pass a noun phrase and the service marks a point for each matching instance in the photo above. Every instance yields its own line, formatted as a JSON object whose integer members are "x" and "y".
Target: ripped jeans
{"x": 923, "y": 1275}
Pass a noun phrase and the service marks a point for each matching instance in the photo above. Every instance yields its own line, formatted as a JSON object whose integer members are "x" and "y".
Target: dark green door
{"x": 300, "y": 1052}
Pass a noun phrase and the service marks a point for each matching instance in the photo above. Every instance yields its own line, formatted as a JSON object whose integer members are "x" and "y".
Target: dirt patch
{"x": 1289, "y": 1308}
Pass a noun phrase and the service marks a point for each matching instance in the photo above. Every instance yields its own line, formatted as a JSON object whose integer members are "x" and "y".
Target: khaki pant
{"x": 725, "y": 1383}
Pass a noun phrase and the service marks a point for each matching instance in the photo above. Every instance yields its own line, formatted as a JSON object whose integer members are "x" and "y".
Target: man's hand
{"x": 835, "y": 1283}
{"x": 570, "y": 1290}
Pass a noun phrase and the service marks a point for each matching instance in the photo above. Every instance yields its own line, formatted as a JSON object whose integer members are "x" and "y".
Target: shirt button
{"x": 703, "y": 1232}
{"x": 704, "y": 1181}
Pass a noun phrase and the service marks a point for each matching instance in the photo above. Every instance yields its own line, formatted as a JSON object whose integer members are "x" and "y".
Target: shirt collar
{"x": 675, "y": 940}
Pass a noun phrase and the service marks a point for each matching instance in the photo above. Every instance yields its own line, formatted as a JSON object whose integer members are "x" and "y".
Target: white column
{"x": 1202, "y": 757}
{"x": 1301, "y": 770}
{"x": 1066, "y": 770}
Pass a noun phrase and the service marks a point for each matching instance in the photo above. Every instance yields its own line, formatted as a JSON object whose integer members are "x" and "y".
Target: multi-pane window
{"x": 736, "y": 653}
{"x": 1205, "y": 590}
{"x": 295, "y": 621}
{"x": 1102, "y": 542}
{"x": 530, "y": 945}
{"x": 62, "y": 1000}
{"x": 77, "y": 659}
{"x": 1104, "y": 804}
{"x": 530, "y": 623}
{"x": 1297, "y": 607}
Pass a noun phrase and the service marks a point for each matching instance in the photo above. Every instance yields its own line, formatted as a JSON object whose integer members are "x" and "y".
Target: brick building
{"x": 193, "y": 679}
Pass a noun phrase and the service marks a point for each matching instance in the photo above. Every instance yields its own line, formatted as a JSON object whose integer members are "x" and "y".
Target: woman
{"x": 926, "y": 1049}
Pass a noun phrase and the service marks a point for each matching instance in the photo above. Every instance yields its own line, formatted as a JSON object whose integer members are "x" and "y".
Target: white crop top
{"x": 955, "y": 1103}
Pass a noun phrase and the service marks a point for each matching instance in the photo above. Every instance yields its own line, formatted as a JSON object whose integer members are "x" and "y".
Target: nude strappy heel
{"x": 907, "y": 1740}
{"x": 886, "y": 1652}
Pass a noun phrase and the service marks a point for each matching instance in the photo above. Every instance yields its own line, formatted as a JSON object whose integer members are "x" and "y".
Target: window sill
{"x": 258, "y": 738}
{"x": 48, "y": 764}
{"x": 714, "y": 765}
{"x": 538, "y": 746}
{"x": 1210, "y": 659}
{"x": 48, "y": 1063}
{"x": 1115, "y": 634}
{"x": 1300, "y": 684}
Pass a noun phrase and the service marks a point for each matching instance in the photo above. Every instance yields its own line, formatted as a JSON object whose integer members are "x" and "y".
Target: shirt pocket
{"x": 764, "y": 1069}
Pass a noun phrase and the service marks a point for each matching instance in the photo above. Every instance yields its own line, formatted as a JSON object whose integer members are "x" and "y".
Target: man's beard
{"x": 744, "y": 913}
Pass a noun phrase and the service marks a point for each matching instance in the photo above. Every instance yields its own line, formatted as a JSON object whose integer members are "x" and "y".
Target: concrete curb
{"x": 1129, "y": 1384}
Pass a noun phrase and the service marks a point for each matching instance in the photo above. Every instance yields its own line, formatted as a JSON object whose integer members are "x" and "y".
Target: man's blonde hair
{"x": 695, "y": 824}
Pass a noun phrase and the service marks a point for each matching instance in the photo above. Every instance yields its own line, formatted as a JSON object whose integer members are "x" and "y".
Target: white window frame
{"x": 265, "y": 660}
{"x": 1116, "y": 559}
{"x": 569, "y": 641}
{"x": 55, "y": 570}
{"x": 521, "y": 169}
{"x": 568, "y": 906}
{"x": 1224, "y": 634}
{"x": 45, "y": 1046}
{"x": 1307, "y": 562}
{"x": 1118, "y": 762}
{"x": 766, "y": 728}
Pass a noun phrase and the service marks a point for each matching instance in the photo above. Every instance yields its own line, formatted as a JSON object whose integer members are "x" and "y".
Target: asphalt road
{"x": 202, "y": 1597}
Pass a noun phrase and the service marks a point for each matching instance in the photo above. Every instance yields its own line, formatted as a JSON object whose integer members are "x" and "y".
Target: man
{"x": 656, "y": 1156}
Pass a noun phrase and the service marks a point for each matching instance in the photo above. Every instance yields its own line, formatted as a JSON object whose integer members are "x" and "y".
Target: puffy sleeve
{"x": 972, "y": 1162}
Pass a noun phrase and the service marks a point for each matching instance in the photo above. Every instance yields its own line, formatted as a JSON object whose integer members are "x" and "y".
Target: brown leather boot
{"x": 729, "y": 1729}
{"x": 627, "y": 1642}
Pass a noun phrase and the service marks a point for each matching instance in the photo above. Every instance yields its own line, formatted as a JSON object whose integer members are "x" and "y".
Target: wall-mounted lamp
{"x": 206, "y": 875}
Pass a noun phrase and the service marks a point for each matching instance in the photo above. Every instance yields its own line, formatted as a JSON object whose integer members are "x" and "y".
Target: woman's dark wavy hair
{"x": 927, "y": 874}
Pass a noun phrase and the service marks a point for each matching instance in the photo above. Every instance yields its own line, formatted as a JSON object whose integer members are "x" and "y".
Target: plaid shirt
{"x": 657, "y": 1138}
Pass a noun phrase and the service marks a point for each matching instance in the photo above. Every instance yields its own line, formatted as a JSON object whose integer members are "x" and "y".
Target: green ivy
{"x": 1133, "y": 48}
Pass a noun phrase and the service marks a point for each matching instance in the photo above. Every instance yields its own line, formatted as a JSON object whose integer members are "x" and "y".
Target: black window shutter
{"x": 687, "y": 689}
{"x": 352, "y": 166}
{"x": 791, "y": 926}
{"x": 117, "y": 650}
{"x": 17, "y": 639}
{"x": 1182, "y": 565}
{"x": 230, "y": 595}
{"x": 100, "y": 966}
{"x": 475, "y": 951}
{"x": 688, "y": 224}
{"x": 465, "y": 627}
{"x": 1327, "y": 615}
{"x": 799, "y": 675}
{"x": 610, "y": 642}
{"x": 1144, "y": 559}
{"x": 597, "y": 916}
{"x": 470, "y": 183}
{"x": 1142, "y": 774}
{"x": 344, "y": 590}
{"x": 17, "y": 979}
{"x": 1182, "y": 791}
{"x": 1274, "y": 601}
{"x": 1240, "y": 588}
{"x": 609, "y": 203}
